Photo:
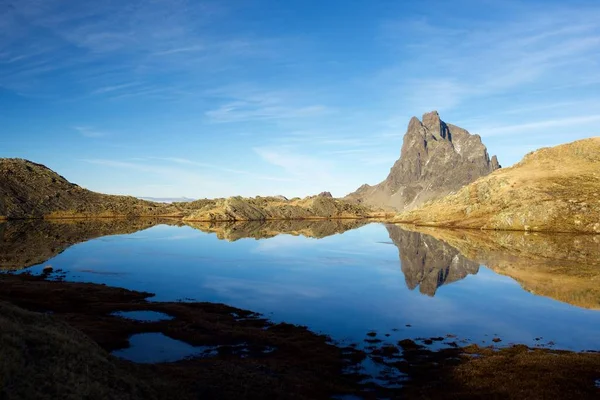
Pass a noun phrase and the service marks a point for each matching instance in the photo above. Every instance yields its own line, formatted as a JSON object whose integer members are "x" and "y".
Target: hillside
{"x": 276, "y": 208}
{"x": 552, "y": 189}
{"x": 30, "y": 190}
{"x": 436, "y": 159}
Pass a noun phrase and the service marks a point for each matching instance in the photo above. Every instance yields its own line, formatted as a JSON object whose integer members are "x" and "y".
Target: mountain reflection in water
{"x": 564, "y": 267}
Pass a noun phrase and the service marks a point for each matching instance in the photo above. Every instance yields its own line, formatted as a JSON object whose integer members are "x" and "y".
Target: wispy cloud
{"x": 90, "y": 132}
{"x": 244, "y": 103}
{"x": 135, "y": 40}
{"x": 295, "y": 164}
{"x": 520, "y": 129}
{"x": 216, "y": 167}
{"x": 485, "y": 60}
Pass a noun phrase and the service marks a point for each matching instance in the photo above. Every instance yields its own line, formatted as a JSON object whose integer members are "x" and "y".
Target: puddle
{"x": 144, "y": 316}
{"x": 149, "y": 348}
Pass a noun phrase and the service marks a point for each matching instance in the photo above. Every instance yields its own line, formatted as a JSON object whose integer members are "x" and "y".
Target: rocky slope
{"x": 436, "y": 159}
{"x": 564, "y": 267}
{"x": 552, "y": 189}
{"x": 30, "y": 190}
{"x": 276, "y": 208}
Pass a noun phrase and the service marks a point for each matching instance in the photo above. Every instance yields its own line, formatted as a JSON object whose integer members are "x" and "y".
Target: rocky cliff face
{"x": 436, "y": 159}
{"x": 553, "y": 189}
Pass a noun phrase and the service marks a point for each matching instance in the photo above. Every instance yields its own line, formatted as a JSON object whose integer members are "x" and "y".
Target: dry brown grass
{"x": 555, "y": 189}
{"x": 42, "y": 358}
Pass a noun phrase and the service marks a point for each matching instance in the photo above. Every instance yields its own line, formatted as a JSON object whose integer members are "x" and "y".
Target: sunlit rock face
{"x": 436, "y": 159}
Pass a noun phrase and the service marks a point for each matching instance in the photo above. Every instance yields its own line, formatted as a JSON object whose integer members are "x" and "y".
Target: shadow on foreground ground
{"x": 56, "y": 338}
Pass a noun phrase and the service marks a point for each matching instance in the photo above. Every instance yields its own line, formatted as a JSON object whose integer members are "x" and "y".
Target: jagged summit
{"x": 436, "y": 159}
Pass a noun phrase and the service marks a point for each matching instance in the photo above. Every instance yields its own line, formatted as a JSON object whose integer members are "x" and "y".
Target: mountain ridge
{"x": 554, "y": 189}
{"x": 436, "y": 159}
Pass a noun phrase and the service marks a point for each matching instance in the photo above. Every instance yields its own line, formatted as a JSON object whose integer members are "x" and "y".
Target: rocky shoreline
{"x": 252, "y": 358}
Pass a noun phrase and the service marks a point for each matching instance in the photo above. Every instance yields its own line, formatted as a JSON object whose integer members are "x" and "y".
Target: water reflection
{"x": 27, "y": 243}
{"x": 267, "y": 229}
{"x": 429, "y": 263}
{"x": 564, "y": 267}
{"x": 345, "y": 283}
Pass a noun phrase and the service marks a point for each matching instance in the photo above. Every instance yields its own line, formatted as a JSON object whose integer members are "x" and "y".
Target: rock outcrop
{"x": 274, "y": 208}
{"x": 30, "y": 190}
{"x": 552, "y": 189}
{"x": 436, "y": 159}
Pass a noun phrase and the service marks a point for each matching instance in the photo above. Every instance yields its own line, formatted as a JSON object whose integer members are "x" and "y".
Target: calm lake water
{"x": 375, "y": 277}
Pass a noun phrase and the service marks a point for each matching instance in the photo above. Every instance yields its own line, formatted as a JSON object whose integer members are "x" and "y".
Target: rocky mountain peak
{"x": 436, "y": 159}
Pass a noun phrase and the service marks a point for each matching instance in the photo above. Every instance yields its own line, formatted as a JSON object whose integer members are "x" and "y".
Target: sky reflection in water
{"x": 343, "y": 285}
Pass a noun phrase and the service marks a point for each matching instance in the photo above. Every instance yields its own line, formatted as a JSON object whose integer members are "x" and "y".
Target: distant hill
{"x": 30, "y": 190}
{"x": 167, "y": 199}
{"x": 238, "y": 208}
{"x": 552, "y": 189}
{"x": 436, "y": 159}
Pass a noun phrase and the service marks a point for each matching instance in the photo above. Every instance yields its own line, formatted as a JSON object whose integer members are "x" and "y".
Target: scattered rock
{"x": 325, "y": 194}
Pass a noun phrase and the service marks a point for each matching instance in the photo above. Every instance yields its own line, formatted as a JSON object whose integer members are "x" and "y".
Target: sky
{"x": 171, "y": 98}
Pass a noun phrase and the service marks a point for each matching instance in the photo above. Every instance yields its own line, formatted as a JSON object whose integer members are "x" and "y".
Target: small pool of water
{"x": 149, "y": 348}
{"x": 143, "y": 316}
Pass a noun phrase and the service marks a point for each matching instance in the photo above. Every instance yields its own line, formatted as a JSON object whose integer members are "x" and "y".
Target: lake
{"x": 341, "y": 278}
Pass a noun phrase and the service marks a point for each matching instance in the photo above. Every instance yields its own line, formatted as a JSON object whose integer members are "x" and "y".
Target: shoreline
{"x": 375, "y": 218}
{"x": 300, "y": 362}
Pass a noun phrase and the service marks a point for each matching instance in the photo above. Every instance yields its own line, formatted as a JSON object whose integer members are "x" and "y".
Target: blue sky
{"x": 254, "y": 97}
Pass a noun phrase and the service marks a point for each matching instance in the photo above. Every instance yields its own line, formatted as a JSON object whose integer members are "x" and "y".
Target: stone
{"x": 436, "y": 159}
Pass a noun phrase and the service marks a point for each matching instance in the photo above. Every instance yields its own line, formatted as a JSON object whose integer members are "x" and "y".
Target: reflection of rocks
{"x": 565, "y": 267}
{"x": 266, "y": 229}
{"x": 427, "y": 262}
{"x": 27, "y": 243}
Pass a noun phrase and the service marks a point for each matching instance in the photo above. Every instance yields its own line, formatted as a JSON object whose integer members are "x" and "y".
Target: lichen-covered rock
{"x": 436, "y": 159}
{"x": 553, "y": 189}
